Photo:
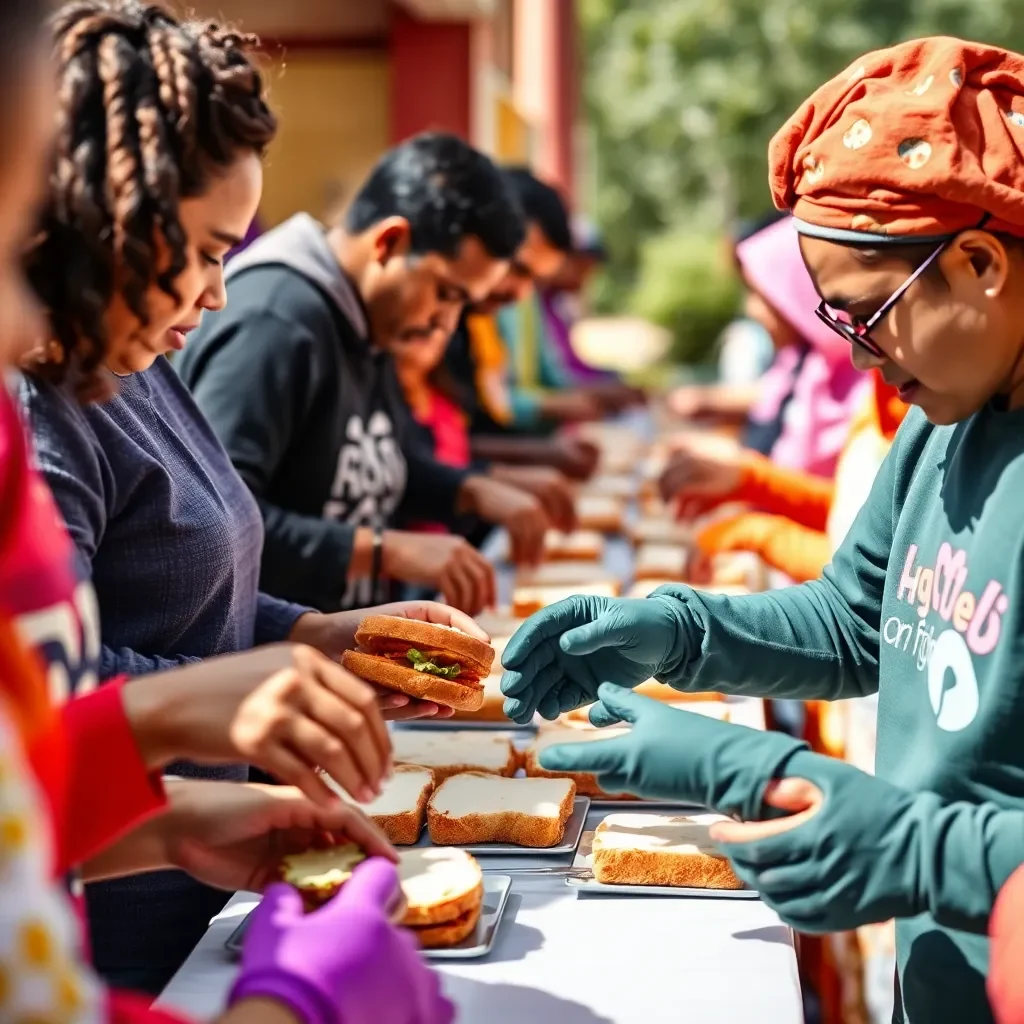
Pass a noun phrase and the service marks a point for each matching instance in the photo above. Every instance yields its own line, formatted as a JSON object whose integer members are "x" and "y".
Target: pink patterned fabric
{"x": 827, "y": 390}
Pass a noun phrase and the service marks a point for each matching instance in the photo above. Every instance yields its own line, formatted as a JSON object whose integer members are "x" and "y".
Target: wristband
{"x": 376, "y": 559}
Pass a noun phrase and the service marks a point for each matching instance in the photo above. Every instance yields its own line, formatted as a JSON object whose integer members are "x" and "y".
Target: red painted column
{"x": 430, "y": 76}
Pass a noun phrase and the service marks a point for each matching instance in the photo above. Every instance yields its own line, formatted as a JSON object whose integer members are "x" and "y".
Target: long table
{"x": 563, "y": 958}
{"x": 567, "y": 958}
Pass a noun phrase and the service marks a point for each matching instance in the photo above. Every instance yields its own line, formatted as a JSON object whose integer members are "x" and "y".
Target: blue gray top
{"x": 171, "y": 539}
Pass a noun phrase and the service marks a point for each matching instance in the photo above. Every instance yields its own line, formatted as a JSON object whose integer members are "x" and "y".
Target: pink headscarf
{"x": 828, "y": 390}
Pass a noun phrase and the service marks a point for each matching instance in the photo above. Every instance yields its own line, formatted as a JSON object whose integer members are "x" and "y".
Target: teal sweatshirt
{"x": 923, "y": 603}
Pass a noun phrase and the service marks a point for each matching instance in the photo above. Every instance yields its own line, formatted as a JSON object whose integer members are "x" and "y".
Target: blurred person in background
{"x": 807, "y": 399}
{"x": 296, "y": 379}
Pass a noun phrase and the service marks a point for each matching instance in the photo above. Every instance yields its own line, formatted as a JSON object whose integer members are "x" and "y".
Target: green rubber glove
{"x": 560, "y": 656}
{"x": 848, "y": 854}
{"x": 671, "y": 754}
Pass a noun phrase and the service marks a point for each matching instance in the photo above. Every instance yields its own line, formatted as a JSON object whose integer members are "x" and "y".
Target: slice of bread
{"x": 448, "y": 753}
{"x": 622, "y": 486}
{"x": 498, "y": 623}
{"x": 319, "y": 874}
{"x": 529, "y": 600}
{"x": 440, "y": 885}
{"x": 586, "y": 785}
{"x": 448, "y": 934}
{"x": 661, "y": 562}
{"x": 660, "y": 849}
{"x": 477, "y": 808}
{"x": 665, "y": 530}
{"x": 493, "y": 708}
{"x": 580, "y": 545}
{"x": 600, "y": 512}
{"x": 399, "y": 810}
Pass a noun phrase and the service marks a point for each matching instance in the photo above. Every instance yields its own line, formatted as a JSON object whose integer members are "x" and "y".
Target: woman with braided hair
{"x": 155, "y": 174}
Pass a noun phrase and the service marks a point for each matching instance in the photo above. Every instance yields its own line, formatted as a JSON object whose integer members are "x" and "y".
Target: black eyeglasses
{"x": 860, "y": 334}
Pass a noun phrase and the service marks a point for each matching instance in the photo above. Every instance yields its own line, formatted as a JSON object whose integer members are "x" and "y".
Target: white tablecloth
{"x": 563, "y": 959}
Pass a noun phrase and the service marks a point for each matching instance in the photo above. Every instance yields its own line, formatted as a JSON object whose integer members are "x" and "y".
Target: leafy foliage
{"x": 683, "y": 97}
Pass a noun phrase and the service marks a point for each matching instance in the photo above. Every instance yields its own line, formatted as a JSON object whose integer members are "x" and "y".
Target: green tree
{"x": 683, "y": 97}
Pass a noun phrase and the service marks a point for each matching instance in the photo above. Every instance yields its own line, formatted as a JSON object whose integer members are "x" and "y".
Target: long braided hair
{"x": 149, "y": 107}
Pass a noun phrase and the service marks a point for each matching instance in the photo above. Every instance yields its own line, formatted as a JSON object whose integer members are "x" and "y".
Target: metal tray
{"x": 570, "y": 840}
{"x": 599, "y": 804}
{"x": 451, "y": 724}
{"x": 479, "y": 943}
{"x": 581, "y": 878}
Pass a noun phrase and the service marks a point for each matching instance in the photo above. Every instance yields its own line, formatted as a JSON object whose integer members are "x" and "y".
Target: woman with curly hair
{"x": 155, "y": 175}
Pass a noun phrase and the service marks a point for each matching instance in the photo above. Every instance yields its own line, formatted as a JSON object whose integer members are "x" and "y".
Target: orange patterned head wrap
{"x": 916, "y": 142}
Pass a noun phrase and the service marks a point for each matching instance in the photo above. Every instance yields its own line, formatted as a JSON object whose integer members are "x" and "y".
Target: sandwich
{"x": 530, "y": 599}
{"x": 399, "y": 810}
{"x": 478, "y": 808}
{"x": 319, "y": 874}
{"x": 622, "y": 487}
{"x": 422, "y": 659}
{"x": 660, "y": 849}
{"x": 444, "y": 893}
{"x": 600, "y": 512}
{"x": 661, "y": 561}
{"x": 586, "y": 785}
{"x": 580, "y": 545}
{"x": 566, "y": 574}
{"x": 448, "y": 753}
{"x": 659, "y": 530}
{"x": 739, "y": 569}
{"x": 646, "y": 587}
{"x": 441, "y": 892}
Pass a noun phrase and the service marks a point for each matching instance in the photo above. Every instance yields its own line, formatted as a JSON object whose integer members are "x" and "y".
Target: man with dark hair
{"x": 295, "y": 378}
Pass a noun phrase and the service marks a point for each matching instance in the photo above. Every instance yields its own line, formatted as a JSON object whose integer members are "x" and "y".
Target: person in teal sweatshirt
{"x": 905, "y": 176}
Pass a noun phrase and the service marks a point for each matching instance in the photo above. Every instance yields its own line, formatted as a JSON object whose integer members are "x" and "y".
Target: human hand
{"x": 233, "y": 836}
{"x": 674, "y": 754}
{"x": 689, "y": 402}
{"x": 335, "y": 633}
{"x": 549, "y": 486}
{"x": 344, "y": 963}
{"x": 285, "y": 708}
{"x": 519, "y": 512}
{"x": 703, "y": 469}
{"x": 450, "y": 563}
{"x": 846, "y": 853}
{"x": 574, "y": 457}
{"x": 559, "y": 657}
{"x": 614, "y": 396}
{"x": 572, "y": 406}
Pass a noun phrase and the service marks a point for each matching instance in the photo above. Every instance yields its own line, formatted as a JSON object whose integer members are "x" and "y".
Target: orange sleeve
{"x": 802, "y": 497}
{"x": 799, "y": 552}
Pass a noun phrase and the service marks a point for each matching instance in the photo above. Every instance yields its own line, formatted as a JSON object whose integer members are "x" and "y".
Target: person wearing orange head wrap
{"x": 905, "y": 175}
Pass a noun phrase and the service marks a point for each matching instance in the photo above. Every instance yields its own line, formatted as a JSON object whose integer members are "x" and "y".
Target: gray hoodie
{"x": 311, "y": 415}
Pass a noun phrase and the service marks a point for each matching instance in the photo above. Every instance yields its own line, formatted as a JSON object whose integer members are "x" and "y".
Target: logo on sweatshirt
{"x": 969, "y": 625}
{"x": 369, "y": 482}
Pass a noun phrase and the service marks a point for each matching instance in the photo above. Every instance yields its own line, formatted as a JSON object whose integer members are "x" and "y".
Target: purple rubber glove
{"x": 343, "y": 964}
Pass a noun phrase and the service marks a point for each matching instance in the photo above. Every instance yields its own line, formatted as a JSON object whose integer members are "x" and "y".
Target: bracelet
{"x": 376, "y": 559}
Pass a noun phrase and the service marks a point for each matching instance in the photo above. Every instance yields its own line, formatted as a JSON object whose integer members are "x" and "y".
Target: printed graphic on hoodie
{"x": 948, "y": 625}
{"x": 368, "y": 484}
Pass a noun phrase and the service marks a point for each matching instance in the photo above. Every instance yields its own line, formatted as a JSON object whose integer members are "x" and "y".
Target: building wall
{"x": 334, "y": 111}
{"x": 430, "y": 77}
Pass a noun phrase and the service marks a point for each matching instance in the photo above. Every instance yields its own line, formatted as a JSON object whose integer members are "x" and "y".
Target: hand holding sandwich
{"x": 345, "y": 963}
{"x": 233, "y": 836}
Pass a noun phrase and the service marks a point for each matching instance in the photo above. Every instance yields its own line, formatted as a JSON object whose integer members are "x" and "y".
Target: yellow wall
{"x": 334, "y": 117}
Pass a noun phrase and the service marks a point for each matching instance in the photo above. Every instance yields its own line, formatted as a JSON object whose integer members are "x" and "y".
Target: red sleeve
{"x": 109, "y": 790}
{"x": 127, "y": 1008}
{"x": 1006, "y": 958}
